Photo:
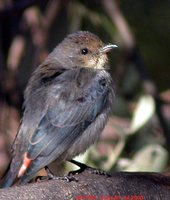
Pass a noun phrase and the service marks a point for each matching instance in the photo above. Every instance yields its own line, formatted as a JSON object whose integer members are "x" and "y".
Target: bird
{"x": 67, "y": 102}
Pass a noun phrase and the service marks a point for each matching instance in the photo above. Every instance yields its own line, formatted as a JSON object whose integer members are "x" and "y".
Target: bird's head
{"x": 82, "y": 49}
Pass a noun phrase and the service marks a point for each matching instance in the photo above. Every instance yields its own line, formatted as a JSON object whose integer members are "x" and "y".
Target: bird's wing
{"x": 70, "y": 112}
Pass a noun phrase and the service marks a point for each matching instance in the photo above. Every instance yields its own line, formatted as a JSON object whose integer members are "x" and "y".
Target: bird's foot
{"x": 84, "y": 167}
{"x": 51, "y": 176}
{"x": 65, "y": 178}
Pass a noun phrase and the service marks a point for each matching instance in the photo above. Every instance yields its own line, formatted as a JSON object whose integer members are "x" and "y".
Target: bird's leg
{"x": 84, "y": 167}
{"x": 50, "y": 176}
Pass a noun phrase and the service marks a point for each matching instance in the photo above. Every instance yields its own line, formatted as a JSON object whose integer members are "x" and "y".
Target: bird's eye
{"x": 84, "y": 51}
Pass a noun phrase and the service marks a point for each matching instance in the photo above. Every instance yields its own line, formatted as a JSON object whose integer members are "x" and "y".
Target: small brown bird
{"x": 67, "y": 102}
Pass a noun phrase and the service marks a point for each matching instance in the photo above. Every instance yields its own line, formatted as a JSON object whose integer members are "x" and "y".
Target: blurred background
{"x": 137, "y": 136}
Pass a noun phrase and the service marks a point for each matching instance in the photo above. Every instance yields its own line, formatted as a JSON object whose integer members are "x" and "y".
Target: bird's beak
{"x": 107, "y": 48}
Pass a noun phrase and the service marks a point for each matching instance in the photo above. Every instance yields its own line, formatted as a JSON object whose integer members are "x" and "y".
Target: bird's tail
{"x": 8, "y": 179}
{"x": 9, "y": 176}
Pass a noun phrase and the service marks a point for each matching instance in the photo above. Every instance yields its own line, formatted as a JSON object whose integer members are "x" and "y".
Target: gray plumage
{"x": 67, "y": 102}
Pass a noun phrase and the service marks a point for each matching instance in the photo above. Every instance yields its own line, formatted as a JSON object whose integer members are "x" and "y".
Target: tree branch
{"x": 121, "y": 185}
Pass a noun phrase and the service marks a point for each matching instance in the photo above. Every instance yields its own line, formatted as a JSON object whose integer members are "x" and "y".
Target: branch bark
{"x": 121, "y": 185}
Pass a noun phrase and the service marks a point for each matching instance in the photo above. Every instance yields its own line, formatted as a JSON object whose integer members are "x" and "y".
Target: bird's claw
{"x": 65, "y": 178}
{"x": 89, "y": 170}
{"x": 98, "y": 171}
{"x": 51, "y": 176}
{"x": 85, "y": 168}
